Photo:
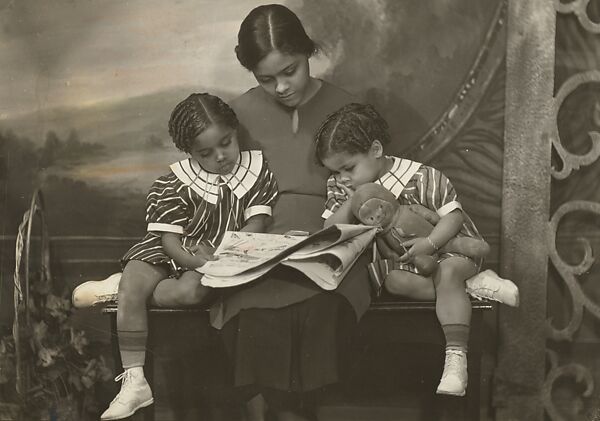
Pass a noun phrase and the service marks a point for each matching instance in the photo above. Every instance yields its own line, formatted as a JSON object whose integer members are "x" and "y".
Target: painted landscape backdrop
{"x": 87, "y": 87}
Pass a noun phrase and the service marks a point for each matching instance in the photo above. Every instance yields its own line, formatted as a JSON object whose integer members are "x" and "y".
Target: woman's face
{"x": 216, "y": 149}
{"x": 286, "y": 77}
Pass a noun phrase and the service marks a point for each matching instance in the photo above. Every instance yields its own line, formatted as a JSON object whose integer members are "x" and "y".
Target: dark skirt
{"x": 297, "y": 347}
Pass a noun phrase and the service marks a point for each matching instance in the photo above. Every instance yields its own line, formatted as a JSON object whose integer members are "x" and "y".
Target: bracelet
{"x": 435, "y": 248}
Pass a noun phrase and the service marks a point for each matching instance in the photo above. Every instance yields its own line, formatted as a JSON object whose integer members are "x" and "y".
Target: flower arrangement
{"x": 63, "y": 367}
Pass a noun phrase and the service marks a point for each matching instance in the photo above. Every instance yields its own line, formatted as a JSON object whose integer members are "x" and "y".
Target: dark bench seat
{"x": 388, "y": 321}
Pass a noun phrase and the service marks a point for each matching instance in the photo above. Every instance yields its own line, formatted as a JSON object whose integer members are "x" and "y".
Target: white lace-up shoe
{"x": 489, "y": 285}
{"x": 91, "y": 293}
{"x": 135, "y": 394}
{"x": 454, "y": 378}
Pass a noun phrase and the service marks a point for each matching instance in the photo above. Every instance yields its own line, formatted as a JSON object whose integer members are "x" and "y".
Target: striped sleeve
{"x": 166, "y": 211}
{"x": 435, "y": 191}
{"x": 263, "y": 194}
{"x": 336, "y": 196}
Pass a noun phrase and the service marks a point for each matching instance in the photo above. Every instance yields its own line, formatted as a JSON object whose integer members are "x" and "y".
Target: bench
{"x": 395, "y": 321}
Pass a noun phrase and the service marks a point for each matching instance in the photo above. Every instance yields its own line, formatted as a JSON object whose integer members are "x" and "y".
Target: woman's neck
{"x": 311, "y": 90}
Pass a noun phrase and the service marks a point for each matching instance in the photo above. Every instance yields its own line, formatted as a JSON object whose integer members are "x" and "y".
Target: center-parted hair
{"x": 195, "y": 114}
{"x": 351, "y": 129}
{"x": 268, "y": 28}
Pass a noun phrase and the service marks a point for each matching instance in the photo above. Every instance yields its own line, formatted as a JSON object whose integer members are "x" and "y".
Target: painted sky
{"x": 80, "y": 52}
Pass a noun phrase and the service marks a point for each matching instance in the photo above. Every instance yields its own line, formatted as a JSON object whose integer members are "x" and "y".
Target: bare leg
{"x": 137, "y": 283}
{"x": 452, "y": 302}
{"x": 136, "y": 286}
{"x": 453, "y": 309}
{"x": 410, "y": 285}
{"x": 184, "y": 291}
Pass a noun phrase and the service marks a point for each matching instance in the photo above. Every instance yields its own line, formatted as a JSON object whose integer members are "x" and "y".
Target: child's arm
{"x": 173, "y": 247}
{"x": 448, "y": 226}
{"x": 256, "y": 223}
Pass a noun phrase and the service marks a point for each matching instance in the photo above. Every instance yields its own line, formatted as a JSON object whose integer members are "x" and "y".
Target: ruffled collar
{"x": 240, "y": 180}
{"x": 396, "y": 179}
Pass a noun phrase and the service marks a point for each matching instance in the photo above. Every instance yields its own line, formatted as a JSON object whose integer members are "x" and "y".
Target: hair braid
{"x": 351, "y": 129}
{"x": 196, "y": 113}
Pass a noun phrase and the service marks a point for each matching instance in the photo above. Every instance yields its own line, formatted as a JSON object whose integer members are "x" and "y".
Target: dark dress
{"x": 282, "y": 332}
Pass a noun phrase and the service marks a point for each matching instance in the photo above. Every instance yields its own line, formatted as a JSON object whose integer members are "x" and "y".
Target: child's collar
{"x": 207, "y": 184}
{"x": 396, "y": 179}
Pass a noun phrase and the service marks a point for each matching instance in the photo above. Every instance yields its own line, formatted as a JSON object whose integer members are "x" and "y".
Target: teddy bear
{"x": 374, "y": 205}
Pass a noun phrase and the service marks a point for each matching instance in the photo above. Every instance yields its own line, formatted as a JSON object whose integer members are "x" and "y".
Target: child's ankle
{"x": 136, "y": 373}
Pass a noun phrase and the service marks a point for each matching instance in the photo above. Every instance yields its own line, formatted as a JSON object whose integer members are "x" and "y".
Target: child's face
{"x": 285, "y": 77}
{"x": 354, "y": 170}
{"x": 216, "y": 149}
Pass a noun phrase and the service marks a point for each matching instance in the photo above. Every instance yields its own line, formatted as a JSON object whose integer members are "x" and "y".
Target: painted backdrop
{"x": 87, "y": 87}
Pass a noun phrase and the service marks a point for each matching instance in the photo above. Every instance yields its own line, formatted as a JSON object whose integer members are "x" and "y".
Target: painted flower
{"x": 78, "y": 341}
{"x": 47, "y": 356}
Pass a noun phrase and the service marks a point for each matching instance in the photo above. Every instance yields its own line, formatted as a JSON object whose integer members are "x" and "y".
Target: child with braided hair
{"x": 218, "y": 188}
{"x": 350, "y": 144}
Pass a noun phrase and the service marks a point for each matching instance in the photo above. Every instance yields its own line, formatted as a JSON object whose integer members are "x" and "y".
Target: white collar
{"x": 399, "y": 175}
{"x": 240, "y": 180}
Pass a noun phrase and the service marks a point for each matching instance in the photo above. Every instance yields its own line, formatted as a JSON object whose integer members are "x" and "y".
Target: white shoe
{"x": 454, "y": 379}
{"x": 91, "y": 293}
{"x": 489, "y": 285}
{"x": 135, "y": 394}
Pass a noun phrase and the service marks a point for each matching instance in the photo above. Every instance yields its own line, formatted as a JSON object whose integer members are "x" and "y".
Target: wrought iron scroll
{"x": 579, "y": 8}
{"x": 569, "y": 272}
{"x": 578, "y": 372}
{"x": 571, "y": 161}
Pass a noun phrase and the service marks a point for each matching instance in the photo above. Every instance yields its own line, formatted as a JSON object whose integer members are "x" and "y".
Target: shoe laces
{"x": 453, "y": 360}
{"x": 108, "y": 297}
{"x": 126, "y": 377}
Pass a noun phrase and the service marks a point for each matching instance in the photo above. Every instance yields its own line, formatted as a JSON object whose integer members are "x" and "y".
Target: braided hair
{"x": 195, "y": 114}
{"x": 351, "y": 129}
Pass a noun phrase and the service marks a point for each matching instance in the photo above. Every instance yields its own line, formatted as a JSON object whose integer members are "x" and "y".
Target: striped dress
{"x": 412, "y": 183}
{"x": 201, "y": 206}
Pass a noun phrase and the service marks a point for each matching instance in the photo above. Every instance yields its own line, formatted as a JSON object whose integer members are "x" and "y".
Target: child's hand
{"x": 347, "y": 190}
{"x": 416, "y": 247}
{"x": 200, "y": 248}
{"x": 202, "y": 254}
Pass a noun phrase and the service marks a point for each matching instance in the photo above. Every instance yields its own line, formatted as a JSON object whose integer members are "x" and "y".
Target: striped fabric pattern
{"x": 202, "y": 206}
{"x": 412, "y": 183}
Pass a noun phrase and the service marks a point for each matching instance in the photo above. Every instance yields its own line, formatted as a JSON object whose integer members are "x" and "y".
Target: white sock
{"x": 137, "y": 373}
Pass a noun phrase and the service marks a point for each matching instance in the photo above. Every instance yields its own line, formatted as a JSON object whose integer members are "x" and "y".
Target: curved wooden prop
{"x": 21, "y": 279}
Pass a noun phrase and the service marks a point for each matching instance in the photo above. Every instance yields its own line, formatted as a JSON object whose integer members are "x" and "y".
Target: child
{"x": 218, "y": 188}
{"x": 350, "y": 144}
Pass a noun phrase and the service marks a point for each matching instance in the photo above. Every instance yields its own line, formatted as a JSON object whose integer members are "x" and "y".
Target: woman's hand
{"x": 416, "y": 247}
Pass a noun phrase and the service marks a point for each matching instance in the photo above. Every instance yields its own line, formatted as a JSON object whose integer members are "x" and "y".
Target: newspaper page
{"x": 326, "y": 263}
{"x": 241, "y": 251}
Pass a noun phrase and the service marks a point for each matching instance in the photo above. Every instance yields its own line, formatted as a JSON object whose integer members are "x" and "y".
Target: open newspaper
{"x": 325, "y": 256}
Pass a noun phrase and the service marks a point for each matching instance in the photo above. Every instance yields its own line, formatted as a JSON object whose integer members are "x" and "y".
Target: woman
{"x": 282, "y": 332}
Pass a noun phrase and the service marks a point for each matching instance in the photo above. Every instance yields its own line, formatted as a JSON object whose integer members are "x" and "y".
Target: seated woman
{"x": 283, "y": 333}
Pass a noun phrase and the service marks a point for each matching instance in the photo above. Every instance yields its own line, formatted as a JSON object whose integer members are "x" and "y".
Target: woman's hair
{"x": 196, "y": 113}
{"x": 271, "y": 27}
{"x": 351, "y": 129}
